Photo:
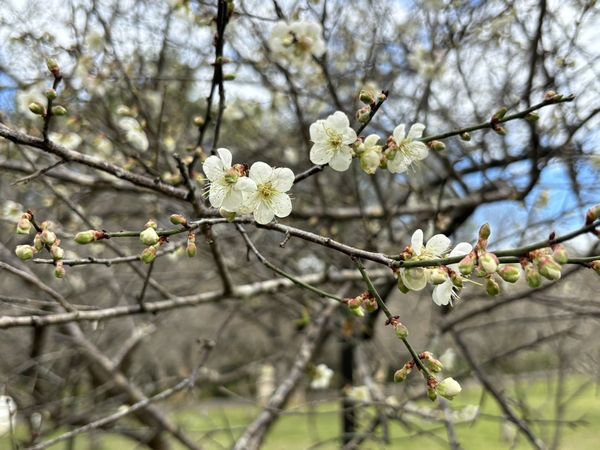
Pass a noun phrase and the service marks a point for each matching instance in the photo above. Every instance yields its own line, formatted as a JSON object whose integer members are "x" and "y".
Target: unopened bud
{"x": 499, "y": 115}
{"x": 24, "y": 224}
{"x": 37, "y": 108}
{"x": 489, "y": 262}
{"x": 467, "y": 264}
{"x": 85, "y": 237}
{"x": 198, "y": 121}
{"x": 438, "y": 276}
{"x": 401, "y": 330}
{"x": 24, "y": 252}
{"x": 559, "y": 253}
{"x": 229, "y": 77}
{"x": 227, "y": 215}
{"x": 593, "y": 214}
{"x": 53, "y": 67}
{"x": 51, "y": 94}
{"x": 401, "y": 374}
{"x": 178, "y": 219}
{"x": 59, "y": 110}
{"x": 533, "y": 277}
{"x": 552, "y": 95}
{"x": 190, "y": 248}
{"x": 509, "y": 273}
{"x": 532, "y": 117}
{"x": 57, "y": 252}
{"x": 549, "y": 268}
{"x": 500, "y": 130}
{"x": 48, "y": 237}
{"x": 37, "y": 242}
{"x": 492, "y": 287}
{"x": 151, "y": 224}
{"x": 457, "y": 280}
{"x": 465, "y": 136}
{"x": 371, "y": 304}
{"x": 437, "y": 146}
{"x": 367, "y": 96}
{"x": 59, "y": 270}
{"x": 149, "y": 236}
{"x": 431, "y": 393}
{"x": 448, "y": 388}
{"x": 363, "y": 115}
{"x": 595, "y": 266}
{"x": 149, "y": 254}
{"x": 485, "y": 231}
{"x": 401, "y": 287}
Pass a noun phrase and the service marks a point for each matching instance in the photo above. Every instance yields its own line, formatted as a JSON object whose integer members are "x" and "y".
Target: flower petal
{"x": 225, "y": 156}
{"x": 442, "y": 293}
{"x": 283, "y": 179}
{"x": 281, "y": 205}
{"x": 397, "y": 165}
{"x": 320, "y": 154}
{"x": 438, "y": 244}
{"x": 371, "y": 140}
{"x": 415, "y": 278}
{"x": 341, "y": 159}
{"x": 261, "y": 172}
{"x": 418, "y": 151}
{"x": 416, "y": 241}
{"x": 461, "y": 249}
{"x": 416, "y": 131}
{"x": 317, "y": 131}
{"x": 338, "y": 120}
{"x": 213, "y": 167}
{"x": 232, "y": 200}
{"x": 399, "y": 133}
{"x": 348, "y": 136}
{"x": 245, "y": 184}
{"x": 262, "y": 213}
{"x": 216, "y": 194}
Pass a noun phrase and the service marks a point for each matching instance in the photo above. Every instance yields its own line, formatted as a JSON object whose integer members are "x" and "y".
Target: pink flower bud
{"x": 549, "y": 268}
{"x": 509, "y": 273}
{"x": 149, "y": 254}
{"x": 59, "y": 270}
{"x": 560, "y": 255}
{"x": 533, "y": 277}
{"x": 24, "y": 224}
{"x": 48, "y": 237}
{"x": 489, "y": 262}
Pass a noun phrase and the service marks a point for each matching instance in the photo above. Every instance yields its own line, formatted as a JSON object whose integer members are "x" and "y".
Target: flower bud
{"x": 367, "y": 96}
{"x": 431, "y": 393}
{"x": 57, "y": 252}
{"x": 492, "y": 287}
{"x": 53, "y": 67}
{"x": 401, "y": 287}
{"x": 559, "y": 253}
{"x": 59, "y": 110}
{"x": 401, "y": 330}
{"x": 595, "y": 266}
{"x": 401, "y": 374}
{"x": 433, "y": 364}
{"x": 198, "y": 121}
{"x": 593, "y": 214}
{"x": 499, "y": 115}
{"x": 363, "y": 115}
{"x": 467, "y": 264}
{"x": 438, "y": 276}
{"x": 48, "y": 237}
{"x": 51, "y": 94}
{"x": 227, "y": 215}
{"x": 151, "y": 224}
{"x": 509, "y": 273}
{"x": 437, "y": 146}
{"x": 533, "y": 277}
{"x": 501, "y": 131}
{"x": 59, "y": 270}
{"x": 24, "y": 224}
{"x": 25, "y": 252}
{"x": 358, "y": 311}
{"x": 465, "y": 136}
{"x": 457, "y": 280}
{"x": 549, "y": 268}
{"x": 552, "y": 95}
{"x": 370, "y": 304}
{"x": 37, "y": 108}
{"x": 37, "y": 242}
{"x": 370, "y": 161}
{"x": 178, "y": 219}
{"x": 448, "y": 388}
{"x": 485, "y": 231}
{"x": 85, "y": 237}
{"x": 149, "y": 254}
{"x": 489, "y": 262}
{"x": 149, "y": 236}
{"x": 229, "y": 77}
{"x": 191, "y": 245}
{"x": 532, "y": 117}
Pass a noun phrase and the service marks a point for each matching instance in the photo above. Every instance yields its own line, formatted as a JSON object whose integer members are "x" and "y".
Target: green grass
{"x": 216, "y": 427}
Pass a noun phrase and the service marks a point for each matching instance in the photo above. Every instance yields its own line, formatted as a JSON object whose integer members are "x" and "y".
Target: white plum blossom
{"x": 321, "y": 377}
{"x": 297, "y": 41}
{"x": 444, "y": 293}
{"x": 369, "y": 154}
{"x": 416, "y": 278}
{"x": 269, "y": 198}
{"x": 134, "y": 133}
{"x": 68, "y": 140}
{"x": 227, "y": 183}
{"x": 405, "y": 149}
{"x": 8, "y": 412}
{"x": 332, "y": 138}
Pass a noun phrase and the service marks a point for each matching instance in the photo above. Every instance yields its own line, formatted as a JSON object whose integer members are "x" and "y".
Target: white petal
{"x": 397, "y": 165}
{"x": 415, "y": 278}
{"x": 263, "y": 214}
{"x": 418, "y": 151}
{"x": 225, "y": 156}
{"x": 416, "y": 131}
{"x": 461, "y": 249}
{"x": 438, "y": 244}
{"x": 232, "y": 200}
{"x": 213, "y": 167}
{"x": 399, "y": 133}
{"x": 283, "y": 179}
{"x": 317, "y": 131}
{"x": 320, "y": 154}
{"x": 348, "y": 136}
{"x": 442, "y": 293}
{"x": 371, "y": 140}
{"x": 416, "y": 241}
{"x": 341, "y": 159}
{"x": 216, "y": 194}
{"x": 245, "y": 184}
{"x": 338, "y": 120}
{"x": 281, "y": 205}
{"x": 261, "y": 172}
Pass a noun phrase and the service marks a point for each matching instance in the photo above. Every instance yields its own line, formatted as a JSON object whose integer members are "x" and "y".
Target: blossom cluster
{"x": 336, "y": 143}
{"x": 261, "y": 190}
{"x": 297, "y": 41}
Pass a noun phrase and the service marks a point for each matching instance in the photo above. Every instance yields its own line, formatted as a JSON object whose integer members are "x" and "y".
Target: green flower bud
{"x": 467, "y": 264}
{"x": 191, "y": 245}
{"x": 228, "y": 215}
{"x": 59, "y": 110}
{"x": 431, "y": 393}
{"x": 198, "y": 121}
{"x": 533, "y": 277}
{"x": 363, "y": 115}
{"x": 85, "y": 237}
{"x": 37, "y": 108}
{"x": 492, "y": 287}
{"x": 401, "y": 374}
{"x": 465, "y": 136}
{"x": 57, "y": 252}
{"x": 151, "y": 224}
{"x": 448, "y": 388}
{"x": 485, "y": 231}
{"x": 500, "y": 131}
{"x": 37, "y": 242}
{"x": 401, "y": 287}
{"x": 559, "y": 253}
{"x": 499, "y": 115}
{"x": 509, "y": 273}
{"x": 25, "y": 252}
{"x": 149, "y": 236}
{"x": 178, "y": 219}
{"x": 549, "y": 268}
{"x": 24, "y": 224}
{"x": 149, "y": 254}
{"x": 401, "y": 330}
{"x": 59, "y": 270}
{"x": 48, "y": 237}
{"x": 532, "y": 117}
{"x": 367, "y": 96}
{"x": 489, "y": 262}
{"x": 229, "y": 77}
{"x": 438, "y": 276}
{"x": 53, "y": 66}
{"x": 51, "y": 94}
{"x": 437, "y": 146}
{"x": 457, "y": 280}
